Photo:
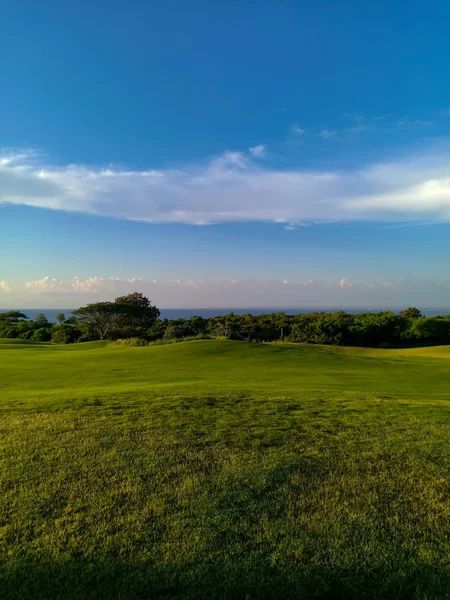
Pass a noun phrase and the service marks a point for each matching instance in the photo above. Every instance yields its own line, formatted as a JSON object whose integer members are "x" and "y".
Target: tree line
{"x": 133, "y": 318}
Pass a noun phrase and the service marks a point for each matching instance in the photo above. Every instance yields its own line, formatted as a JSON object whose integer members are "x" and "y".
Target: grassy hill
{"x": 44, "y": 373}
{"x": 215, "y": 469}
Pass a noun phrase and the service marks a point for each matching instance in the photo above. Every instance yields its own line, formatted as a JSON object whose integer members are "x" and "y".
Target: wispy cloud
{"x": 234, "y": 187}
{"x": 345, "y": 283}
{"x": 382, "y": 124}
{"x": 328, "y": 134}
{"x": 4, "y": 286}
{"x": 411, "y": 123}
{"x": 357, "y": 129}
{"x": 91, "y": 285}
{"x": 258, "y": 151}
{"x": 297, "y": 130}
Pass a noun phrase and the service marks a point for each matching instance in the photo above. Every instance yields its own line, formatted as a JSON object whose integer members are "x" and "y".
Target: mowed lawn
{"x": 215, "y": 469}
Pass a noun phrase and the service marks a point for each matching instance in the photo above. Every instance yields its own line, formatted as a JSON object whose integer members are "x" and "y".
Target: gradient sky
{"x": 210, "y": 154}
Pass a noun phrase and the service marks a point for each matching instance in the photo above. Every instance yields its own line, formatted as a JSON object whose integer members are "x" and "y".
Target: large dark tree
{"x": 41, "y": 321}
{"x": 410, "y": 313}
{"x": 137, "y": 311}
{"x": 13, "y": 316}
{"x": 101, "y": 317}
{"x": 125, "y": 316}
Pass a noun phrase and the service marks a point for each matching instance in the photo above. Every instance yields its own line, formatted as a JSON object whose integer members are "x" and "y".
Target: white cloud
{"x": 308, "y": 282}
{"x": 328, "y": 134}
{"x": 4, "y": 286}
{"x": 357, "y": 129}
{"x": 411, "y": 123}
{"x": 91, "y": 285}
{"x": 190, "y": 292}
{"x": 345, "y": 283}
{"x": 258, "y": 151}
{"x": 297, "y": 130}
{"x": 233, "y": 187}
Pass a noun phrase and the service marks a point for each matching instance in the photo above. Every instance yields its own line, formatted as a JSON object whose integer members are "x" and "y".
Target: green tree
{"x": 9, "y": 323}
{"x": 432, "y": 331}
{"x": 65, "y": 334}
{"x": 101, "y": 317}
{"x": 281, "y": 320}
{"x": 60, "y": 317}
{"x": 156, "y": 331}
{"x": 42, "y": 335}
{"x": 136, "y": 310}
{"x": 41, "y": 321}
{"x": 24, "y": 330}
{"x": 197, "y": 325}
{"x": 410, "y": 313}
{"x": 170, "y": 332}
{"x": 12, "y": 316}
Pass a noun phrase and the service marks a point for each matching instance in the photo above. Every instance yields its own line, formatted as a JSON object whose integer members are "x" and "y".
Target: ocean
{"x": 185, "y": 313}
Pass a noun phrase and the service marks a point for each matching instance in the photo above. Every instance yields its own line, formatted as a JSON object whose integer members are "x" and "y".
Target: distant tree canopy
{"x": 410, "y": 313}
{"x": 136, "y": 311}
{"x": 101, "y": 317}
{"x": 13, "y": 316}
{"x": 133, "y": 317}
{"x": 41, "y": 320}
{"x": 132, "y": 314}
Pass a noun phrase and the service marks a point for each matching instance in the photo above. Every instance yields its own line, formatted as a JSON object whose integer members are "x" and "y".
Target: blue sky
{"x": 225, "y": 154}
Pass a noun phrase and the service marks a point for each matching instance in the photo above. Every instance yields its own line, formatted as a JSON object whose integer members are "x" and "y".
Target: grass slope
{"x": 44, "y": 373}
{"x": 224, "y": 470}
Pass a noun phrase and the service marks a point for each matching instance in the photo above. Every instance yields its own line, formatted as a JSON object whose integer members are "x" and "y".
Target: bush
{"x": 137, "y": 342}
{"x": 9, "y": 331}
{"x": 65, "y": 334}
{"x": 432, "y": 331}
{"x": 170, "y": 333}
{"x": 188, "y": 338}
{"x": 221, "y": 330}
{"x": 41, "y": 335}
{"x": 87, "y": 336}
{"x": 384, "y": 345}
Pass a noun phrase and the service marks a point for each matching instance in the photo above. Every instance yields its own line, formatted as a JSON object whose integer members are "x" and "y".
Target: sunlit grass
{"x": 224, "y": 470}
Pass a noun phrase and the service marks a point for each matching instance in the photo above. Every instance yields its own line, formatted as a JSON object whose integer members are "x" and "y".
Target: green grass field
{"x": 214, "y": 469}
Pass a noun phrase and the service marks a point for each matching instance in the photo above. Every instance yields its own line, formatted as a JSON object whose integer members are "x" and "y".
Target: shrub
{"x": 188, "y": 338}
{"x": 41, "y": 335}
{"x": 170, "y": 333}
{"x": 136, "y": 342}
{"x": 384, "y": 345}
{"x": 65, "y": 334}
{"x": 221, "y": 330}
{"x": 139, "y": 342}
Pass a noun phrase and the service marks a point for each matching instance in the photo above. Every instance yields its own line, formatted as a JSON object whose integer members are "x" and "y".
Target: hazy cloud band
{"x": 234, "y": 187}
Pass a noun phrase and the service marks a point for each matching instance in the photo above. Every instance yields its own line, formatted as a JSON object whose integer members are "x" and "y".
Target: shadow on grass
{"x": 112, "y": 579}
{"x": 78, "y": 578}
